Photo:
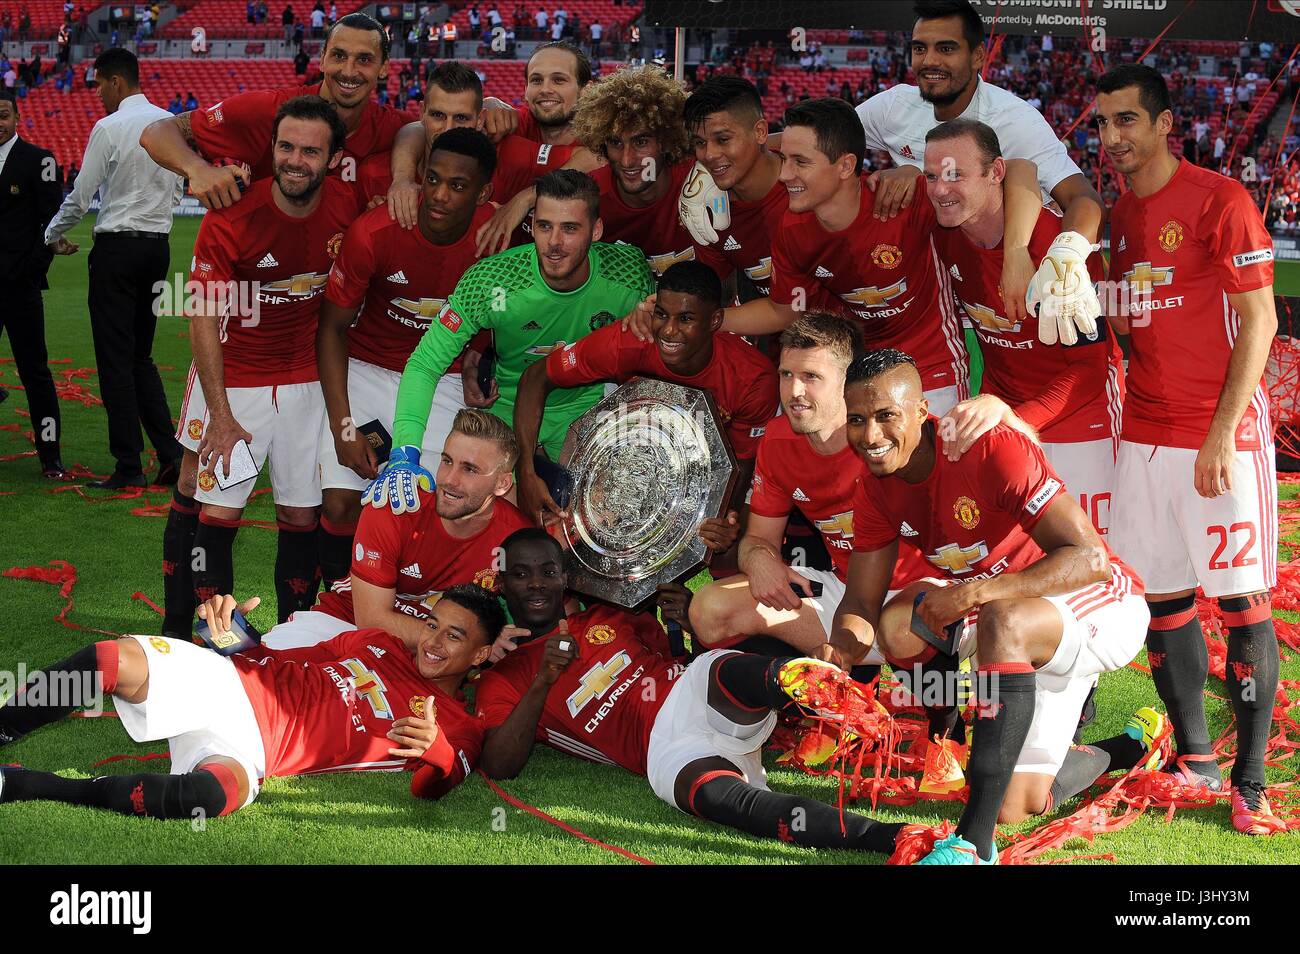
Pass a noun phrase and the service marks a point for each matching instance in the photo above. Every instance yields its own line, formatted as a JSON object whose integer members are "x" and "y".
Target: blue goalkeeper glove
{"x": 399, "y": 483}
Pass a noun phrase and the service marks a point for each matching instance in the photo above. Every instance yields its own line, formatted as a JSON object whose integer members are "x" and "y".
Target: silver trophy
{"x": 647, "y": 465}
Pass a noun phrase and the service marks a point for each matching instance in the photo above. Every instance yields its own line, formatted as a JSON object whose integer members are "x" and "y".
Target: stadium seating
{"x": 228, "y": 18}
{"x": 47, "y": 16}
{"x": 604, "y": 12}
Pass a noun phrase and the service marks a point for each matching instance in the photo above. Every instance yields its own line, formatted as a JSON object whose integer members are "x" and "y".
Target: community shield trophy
{"x": 647, "y": 464}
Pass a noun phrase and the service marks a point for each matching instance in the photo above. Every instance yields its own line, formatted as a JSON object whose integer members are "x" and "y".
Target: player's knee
{"x": 1004, "y": 631}
{"x": 709, "y": 614}
{"x": 341, "y": 509}
{"x": 217, "y": 786}
{"x": 705, "y": 784}
{"x": 295, "y": 516}
{"x": 1026, "y": 799}
{"x": 187, "y": 482}
{"x": 132, "y": 682}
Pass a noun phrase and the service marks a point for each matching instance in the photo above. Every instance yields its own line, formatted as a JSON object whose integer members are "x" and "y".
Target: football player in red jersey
{"x": 1195, "y": 481}
{"x": 1055, "y": 608}
{"x": 688, "y": 349}
{"x": 1070, "y": 395}
{"x": 236, "y": 133}
{"x": 261, "y": 268}
{"x": 403, "y": 562}
{"x": 599, "y": 685}
{"x": 361, "y": 358}
{"x": 365, "y": 700}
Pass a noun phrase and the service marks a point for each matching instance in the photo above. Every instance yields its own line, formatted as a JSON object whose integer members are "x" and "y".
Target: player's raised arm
{"x": 1023, "y": 202}
{"x": 409, "y": 149}
{"x": 853, "y": 631}
{"x": 373, "y": 607}
{"x": 762, "y": 316}
{"x": 170, "y": 143}
{"x": 759, "y": 558}
{"x": 535, "y": 498}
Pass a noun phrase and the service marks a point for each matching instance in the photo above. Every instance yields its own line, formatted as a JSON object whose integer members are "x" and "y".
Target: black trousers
{"x": 24, "y": 319}
{"x": 123, "y": 272}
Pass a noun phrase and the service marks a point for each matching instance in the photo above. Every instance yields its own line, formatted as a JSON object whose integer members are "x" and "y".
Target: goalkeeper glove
{"x": 398, "y": 484}
{"x": 702, "y": 207}
{"x": 1061, "y": 292}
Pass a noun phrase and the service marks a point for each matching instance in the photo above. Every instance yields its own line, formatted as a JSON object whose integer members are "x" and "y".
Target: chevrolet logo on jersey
{"x": 1143, "y": 278}
{"x": 661, "y": 263}
{"x": 956, "y": 559}
{"x": 987, "y": 318}
{"x": 303, "y": 286}
{"x": 425, "y": 309}
{"x": 874, "y": 297}
{"x": 370, "y": 687}
{"x": 842, "y": 524}
{"x": 597, "y": 680}
{"x": 761, "y": 272}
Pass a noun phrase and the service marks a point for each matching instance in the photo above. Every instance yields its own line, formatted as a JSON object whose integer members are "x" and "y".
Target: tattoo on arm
{"x": 183, "y": 124}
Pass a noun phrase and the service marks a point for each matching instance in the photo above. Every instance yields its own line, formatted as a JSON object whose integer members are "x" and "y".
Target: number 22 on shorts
{"x": 1241, "y": 559}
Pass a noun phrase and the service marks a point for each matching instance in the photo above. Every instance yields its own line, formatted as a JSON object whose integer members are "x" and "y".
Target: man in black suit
{"x": 30, "y": 191}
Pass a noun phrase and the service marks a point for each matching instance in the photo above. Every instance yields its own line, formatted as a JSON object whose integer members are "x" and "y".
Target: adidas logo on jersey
{"x": 955, "y": 274}
{"x": 823, "y": 272}
{"x": 412, "y": 570}
{"x": 1123, "y": 244}
{"x": 731, "y": 245}
{"x": 906, "y": 152}
{"x": 532, "y": 326}
{"x": 799, "y": 495}
{"x": 268, "y": 261}
{"x": 379, "y": 653}
{"x": 906, "y": 530}
{"x": 398, "y": 278}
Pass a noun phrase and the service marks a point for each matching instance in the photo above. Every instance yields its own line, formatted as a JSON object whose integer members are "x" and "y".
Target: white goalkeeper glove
{"x": 1061, "y": 292}
{"x": 703, "y": 208}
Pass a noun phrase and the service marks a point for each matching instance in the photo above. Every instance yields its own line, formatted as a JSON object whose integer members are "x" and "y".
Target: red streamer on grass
{"x": 132, "y": 758}
{"x": 137, "y": 595}
{"x": 62, "y": 574}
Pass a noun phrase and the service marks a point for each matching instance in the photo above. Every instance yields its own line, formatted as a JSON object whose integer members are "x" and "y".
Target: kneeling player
{"x": 362, "y": 700}
{"x": 1054, "y": 607}
{"x": 600, "y": 685}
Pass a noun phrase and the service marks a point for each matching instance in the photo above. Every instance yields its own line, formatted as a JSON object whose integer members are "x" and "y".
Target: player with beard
{"x": 262, "y": 267}
{"x": 535, "y": 299}
{"x": 1026, "y": 584}
{"x": 361, "y": 358}
{"x": 403, "y": 562}
{"x": 599, "y": 685}
{"x": 232, "y": 721}
{"x": 236, "y": 132}
{"x": 1195, "y": 478}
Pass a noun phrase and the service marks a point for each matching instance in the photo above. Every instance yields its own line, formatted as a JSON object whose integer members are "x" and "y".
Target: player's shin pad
{"x": 398, "y": 485}
{"x": 1061, "y": 293}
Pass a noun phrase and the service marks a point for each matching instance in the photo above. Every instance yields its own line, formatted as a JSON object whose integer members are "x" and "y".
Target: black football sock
{"x": 212, "y": 789}
{"x": 334, "y": 546}
{"x": 932, "y": 677}
{"x": 727, "y": 799}
{"x": 1083, "y": 765}
{"x": 748, "y": 681}
{"x": 1251, "y": 677}
{"x": 214, "y": 560}
{"x": 53, "y": 692}
{"x": 177, "y": 559}
{"x": 1004, "y": 707}
{"x": 1179, "y": 664}
{"x": 1124, "y": 751}
{"x": 297, "y": 576}
{"x": 864, "y": 674}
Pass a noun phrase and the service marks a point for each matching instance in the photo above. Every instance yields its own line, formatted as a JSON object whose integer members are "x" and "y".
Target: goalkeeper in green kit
{"x": 534, "y": 298}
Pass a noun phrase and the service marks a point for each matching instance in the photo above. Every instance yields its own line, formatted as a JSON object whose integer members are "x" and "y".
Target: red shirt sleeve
{"x": 1239, "y": 245}
{"x": 1016, "y": 475}
{"x": 497, "y": 695}
{"x": 450, "y": 759}
{"x": 872, "y": 528}
{"x": 378, "y": 547}
{"x": 354, "y": 267}
{"x": 768, "y": 496}
{"x": 607, "y": 354}
{"x": 749, "y": 418}
{"x": 236, "y": 128}
{"x": 215, "y": 250}
{"x": 787, "y": 275}
{"x": 339, "y": 647}
{"x": 921, "y": 217}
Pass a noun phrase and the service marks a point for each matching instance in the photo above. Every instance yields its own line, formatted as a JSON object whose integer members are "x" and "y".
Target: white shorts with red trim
{"x": 829, "y": 602}
{"x": 1088, "y": 470}
{"x": 372, "y": 396}
{"x": 1177, "y": 540}
{"x": 284, "y": 420}
{"x": 688, "y": 728}
{"x": 198, "y": 704}
{"x": 305, "y": 628}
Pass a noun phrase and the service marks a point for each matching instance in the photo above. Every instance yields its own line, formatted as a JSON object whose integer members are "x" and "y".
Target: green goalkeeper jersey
{"x": 507, "y": 294}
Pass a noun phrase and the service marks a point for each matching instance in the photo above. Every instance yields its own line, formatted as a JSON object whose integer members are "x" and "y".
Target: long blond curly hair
{"x": 628, "y": 101}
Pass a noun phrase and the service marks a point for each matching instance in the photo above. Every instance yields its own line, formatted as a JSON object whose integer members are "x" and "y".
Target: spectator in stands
{"x": 24, "y": 24}
{"x": 557, "y": 29}
{"x": 596, "y": 30}
{"x": 494, "y": 17}
{"x": 176, "y": 107}
{"x": 65, "y": 45}
{"x": 1219, "y": 148}
{"x": 300, "y": 59}
{"x": 299, "y": 33}
{"x": 334, "y": 13}
{"x": 191, "y": 101}
{"x": 449, "y": 40}
{"x": 286, "y": 21}
{"x": 806, "y": 62}
{"x": 250, "y": 13}
{"x": 318, "y": 21}
{"x": 89, "y": 76}
{"x": 475, "y": 22}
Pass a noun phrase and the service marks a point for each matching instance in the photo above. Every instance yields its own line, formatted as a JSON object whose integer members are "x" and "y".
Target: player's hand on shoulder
{"x": 219, "y": 440}
{"x": 219, "y": 611}
{"x": 1017, "y": 273}
{"x": 640, "y": 320}
{"x": 414, "y": 734}
{"x": 536, "y": 502}
{"x": 398, "y": 485}
{"x": 218, "y": 187}
{"x": 970, "y": 420}
{"x": 499, "y": 120}
{"x": 494, "y": 235}
{"x": 560, "y": 652}
{"x": 719, "y": 533}
{"x": 894, "y": 189}
{"x": 404, "y": 203}
{"x": 507, "y": 643}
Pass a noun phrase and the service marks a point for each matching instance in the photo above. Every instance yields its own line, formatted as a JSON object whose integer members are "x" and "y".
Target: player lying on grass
{"x": 1055, "y": 608}
{"x": 600, "y": 685}
{"x": 362, "y": 700}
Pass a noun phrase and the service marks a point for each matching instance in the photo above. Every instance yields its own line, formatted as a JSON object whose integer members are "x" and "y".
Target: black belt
{"x": 130, "y": 233}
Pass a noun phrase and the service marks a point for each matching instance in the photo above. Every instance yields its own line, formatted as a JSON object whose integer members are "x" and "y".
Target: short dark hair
{"x": 312, "y": 108}
{"x": 118, "y": 62}
{"x": 582, "y": 70}
{"x": 875, "y": 363}
{"x": 7, "y": 96}
{"x": 531, "y": 535}
{"x": 838, "y": 129}
{"x": 361, "y": 21}
{"x": 972, "y": 27}
{"x": 986, "y": 140}
{"x": 565, "y": 184}
{"x": 1153, "y": 92}
{"x": 693, "y": 278}
{"x": 468, "y": 142}
{"x": 823, "y": 329}
{"x": 452, "y": 76}
{"x": 483, "y": 604}
{"x": 720, "y": 93}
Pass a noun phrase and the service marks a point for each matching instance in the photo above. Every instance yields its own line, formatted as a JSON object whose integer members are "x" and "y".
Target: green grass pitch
{"x": 359, "y": 818}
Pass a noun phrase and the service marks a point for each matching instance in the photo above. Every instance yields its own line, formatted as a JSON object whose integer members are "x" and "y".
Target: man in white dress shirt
{"x": 131, "y": 254}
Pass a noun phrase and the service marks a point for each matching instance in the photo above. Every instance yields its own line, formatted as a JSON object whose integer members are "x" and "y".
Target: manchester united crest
{"x": 332, "y": 246}
{"x": 1170, "y": 235}
{"x": 207, "y": 481}
{"x": 966, "y": 513}
{"x": 195, "y": 429}
{"x": 416, "y": 705}
{"x": 600, "y": 634}
{"x": 486, "y": 579}
{"x": 887, "y": 256}
{"x": 160, "y": 644}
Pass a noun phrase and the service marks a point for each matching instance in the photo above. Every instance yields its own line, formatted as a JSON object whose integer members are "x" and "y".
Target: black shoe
{"x": 4, "y": 393}
{"x": 117, "y": 482}
{"x": 54, "y": 470}
{"x": 169, "y": 471}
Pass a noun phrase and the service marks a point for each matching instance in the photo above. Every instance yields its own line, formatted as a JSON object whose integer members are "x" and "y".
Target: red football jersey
{"x": 1185, "y": 249}
{"x": 276, "y": 267}
{"x": 656, "y": 230}
{"x": 329, "y": 708}
{"x": 414, "y": 554}
{"x": 1067, "y": 394}
{"x": 746, "y": 245}
{"x": 887, "y": 274}
{"x": 740, "y": 378}
{"x": 240, "y": 128}
{"x": 521, "y": 162}
{"x": 604, "y": 705}
{"x": 387, "y": 266}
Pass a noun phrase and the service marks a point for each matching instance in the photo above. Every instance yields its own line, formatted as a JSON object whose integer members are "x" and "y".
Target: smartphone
{"x": 807, "y": 590}
{"x": 243, "y": 635}
{"x": 945, "y": 642}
